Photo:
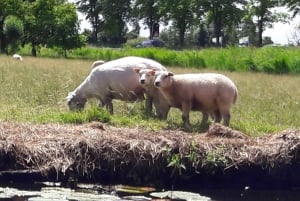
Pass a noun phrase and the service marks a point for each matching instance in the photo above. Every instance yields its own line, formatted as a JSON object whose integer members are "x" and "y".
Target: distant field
{"x": 34, "y": 91}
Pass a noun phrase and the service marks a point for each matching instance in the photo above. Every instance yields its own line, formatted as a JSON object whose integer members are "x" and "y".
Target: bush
{"x": 250, "y": 65}
{"x": 281, "y": 66}
{"x": 13, "y": 29}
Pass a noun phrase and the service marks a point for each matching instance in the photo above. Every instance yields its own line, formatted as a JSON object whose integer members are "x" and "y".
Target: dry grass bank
{"x": 97, "y": 152}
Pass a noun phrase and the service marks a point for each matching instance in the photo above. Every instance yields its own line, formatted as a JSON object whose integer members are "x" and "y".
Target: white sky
{"x": 280, "y": 33}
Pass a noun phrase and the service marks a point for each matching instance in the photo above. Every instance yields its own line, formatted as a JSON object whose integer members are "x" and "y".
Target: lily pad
{"x": 69, "y": 194}
{"x": 180, "y": 195}
{"x": 137, "y": 198}
{"x": 133, "y": 189}
{"x": 12, "y": 192}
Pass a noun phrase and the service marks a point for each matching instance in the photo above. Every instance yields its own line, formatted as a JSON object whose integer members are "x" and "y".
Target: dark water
{"x": 252, "y": 194}
{"x": 218, "y": 194}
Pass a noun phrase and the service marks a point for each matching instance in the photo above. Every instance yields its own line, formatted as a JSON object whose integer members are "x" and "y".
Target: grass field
{"x": 34, "y": 91}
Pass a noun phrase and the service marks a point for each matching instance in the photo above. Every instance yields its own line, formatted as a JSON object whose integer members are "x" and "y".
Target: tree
{"x": 181, "y": 13}
{"x": 261, "y": 9}
{"x": 38, "y": 22}
{"x": 65, "y": 30}
{"x": 93, "y": 10}
{"x": 202, "y": 36}
{"x": 115, "y": 15}
{"x": 52, "y": 23}
{"x": 222, "y": 13}
{"x": 148, "y": 11}
{"x": 13, "y": 29}
{"x": 8, "y": 7}
{"x": 293, "y": 5}
{"x": 247, "y": 27}
{"x": 170, "y": 37}
{"x": 267, "y": 40}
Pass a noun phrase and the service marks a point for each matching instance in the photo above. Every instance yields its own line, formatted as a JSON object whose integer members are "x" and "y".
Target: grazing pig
{"x": 115, "y": 79}
{"x": 208, "y": 92}
{"x": 147, "y": 81}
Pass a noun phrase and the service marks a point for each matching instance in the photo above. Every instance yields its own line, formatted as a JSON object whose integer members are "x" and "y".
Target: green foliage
{"x": 115, "y": 14}
{"x": 91, "y": 114}
{"x": 148, "y": 12}
{"x": 92, "y": 9}
{"x": 293, "y": 5}
{"x": 53, "y": 24}
{"x": 192, "y": 59}
{"x": 281, "y": 66}
{"x": 276, "y": 60}
{"x": 181, "y": 13}
{"x": 261, "y": 10}
{"x": 66, "y": 28}
{"x": 176, "y": 164}
{"x": 222, "y": 14}
{"x": 215, "y": 158}
{"x": 14, "y": 30}
{"x": 250, "y": 65}
{"x": 295, "y": 65}
{"x": 193, "y": 157}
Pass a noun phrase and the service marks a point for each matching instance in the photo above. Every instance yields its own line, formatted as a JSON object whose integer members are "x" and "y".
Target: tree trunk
{"x": 3, "y": 43}
{"x": 181, "y": 38}
{"x": 218, "y": 29}
{"x": 2, "y": 38}
{"x": 33, "y": 50}
{"x": 65, "y": 53}
{"x": 150, "y": 24}
{"x": 260, "y": 31}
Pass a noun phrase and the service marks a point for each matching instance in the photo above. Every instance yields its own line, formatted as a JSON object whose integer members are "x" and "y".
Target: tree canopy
{"x": 43, "y": 23}
{"x": 209, "y": 22}
{"x": 224, "y": 20}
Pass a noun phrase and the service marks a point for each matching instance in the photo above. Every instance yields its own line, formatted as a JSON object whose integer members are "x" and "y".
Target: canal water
{"x": 87, "y": 192}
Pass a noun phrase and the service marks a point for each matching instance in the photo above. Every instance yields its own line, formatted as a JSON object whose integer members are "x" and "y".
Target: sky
{"x": 280, "y": 33}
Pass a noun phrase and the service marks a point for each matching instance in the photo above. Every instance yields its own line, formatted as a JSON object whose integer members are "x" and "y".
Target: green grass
{"x": 275, "y": 60}
{"x": 34, "y": 91}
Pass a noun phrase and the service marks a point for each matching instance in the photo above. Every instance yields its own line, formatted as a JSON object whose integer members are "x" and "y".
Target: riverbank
{"x": 100, "y": 153}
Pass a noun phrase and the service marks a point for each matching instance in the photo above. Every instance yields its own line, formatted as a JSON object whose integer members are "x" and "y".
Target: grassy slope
{"x": 34, "y": 90}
